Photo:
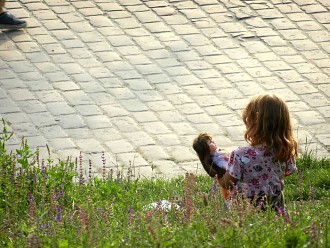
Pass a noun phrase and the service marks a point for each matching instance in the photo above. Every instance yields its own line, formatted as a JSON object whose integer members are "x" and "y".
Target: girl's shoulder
{"x": 249, "y": 150}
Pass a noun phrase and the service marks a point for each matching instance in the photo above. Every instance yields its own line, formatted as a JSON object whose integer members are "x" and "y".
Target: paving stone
{"x": 255, "y": 47}
{"x": 182, "y": 128}
{"x": 170, "y": 116}
{"x": 139, "y": 85}
{"x": 233, "y": 136}
{"x": 52, "y": 132}
{"x": 147, "y": 95}
{"x": 168, "y": 168}
{"x": 289, "y": 76}
{"x": 297, "y": 106}
{"x": 155, "y": 128}
{"x": 324, "y": 110}
{"x": 181, "y": 153}
{"x": 302, "y": 88}
{"x": 228, "y": 68}
{"x": 212, "y": 128}
{"x": 106, "y": 134}
{"x": 95, "y": 87}
{"x": 155, "y": 73}
{"x": 317, "y": 78}
{"x": 206, "y": 101}
{"x": 258, "y": 72}
{"x": 168, "y": 139}
{"x": 313, "y": 8}
{"x": 59, "y": 108}
{"x": 293, "y": 34}
{"x": 277, "y": 65}
{"x": 15, "y": 118}
{"x": 42, "y": 119}
{"x": 115, "y": 111}
{"x": 267, "y": 56}
{"x": 325, "y": 139}
{"x": 250, "y": 88}
{"x": 316, "y": 100}
{"x": 79, "y": 133}
{"x": 191, "y": 167}
{"x": 325, "y": 89}
{"x": 322, "y": 17}
{"x": 36, "y": 141}
{"x": 124, "y": 74}
{"x": 31, "y": 106}
{"x": 206, "y": 74}
{"x": 77, "y": 97}
{"x": 20, "y": 94}
{"x": 90, "y": 145}
{"x": 310, "y": 117}
{"x": 71, "y": 121}
{"x": 236, "y": 104}
{"x": 97, "y": 122}
{"x": 87, "y": 110}
{"x": 125, "y": 124}
{"x": 239, "y": 77}
{"x": 90, "y": 12}
{"x": 323, "y": 63}
{"x": 140, "y": 138}
{"x": 309, "y": 26}
{"x": 274, "y": 41}
{"x": 7, "y": 74}
{"x": 153, "y": 152}
{"x": 190, "y": 108}
{"x": 30, "y": 76}
{"x": 160, "y": 106}
{"x": 25, "y": 127}
{"x": 319, "y": 36}
{"x": 229, "y": 120}
{"x": 61, "y": 143}
{"x": 38, "y": 57}
{"x": 282, "y": 23}
{"x": 119, "y": 66}
{"x": 179, "y": 99}
{"x": 143, "y": 171}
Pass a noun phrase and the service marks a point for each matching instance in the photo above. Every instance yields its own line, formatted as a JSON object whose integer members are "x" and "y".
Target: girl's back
{"x": 256, "y": 172}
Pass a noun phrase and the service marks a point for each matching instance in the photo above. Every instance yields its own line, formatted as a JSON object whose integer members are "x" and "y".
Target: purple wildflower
{"x": 58, "y": 216}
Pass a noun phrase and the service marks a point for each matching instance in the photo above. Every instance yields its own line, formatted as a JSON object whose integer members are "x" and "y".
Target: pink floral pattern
{"x": 257, "y": 174}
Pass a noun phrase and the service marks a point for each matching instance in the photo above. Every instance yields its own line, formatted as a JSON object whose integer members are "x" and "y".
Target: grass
{"x": 52, "y": 204}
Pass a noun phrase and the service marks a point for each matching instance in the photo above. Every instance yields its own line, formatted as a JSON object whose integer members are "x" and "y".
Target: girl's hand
{"x": 227, "y": 181}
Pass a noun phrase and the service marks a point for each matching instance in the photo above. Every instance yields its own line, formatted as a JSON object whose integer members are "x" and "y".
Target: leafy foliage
{"x": 48, "y": 204}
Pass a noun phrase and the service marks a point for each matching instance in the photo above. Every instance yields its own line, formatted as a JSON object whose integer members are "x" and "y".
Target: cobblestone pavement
{"x": 139, "y": 79}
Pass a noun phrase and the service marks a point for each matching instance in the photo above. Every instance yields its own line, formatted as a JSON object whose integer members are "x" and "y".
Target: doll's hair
{"x": 203, "y": 151}
{"x": 267, "y": 121}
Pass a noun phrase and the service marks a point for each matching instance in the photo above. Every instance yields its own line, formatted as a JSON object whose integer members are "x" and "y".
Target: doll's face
{"x": 213, "y": 147}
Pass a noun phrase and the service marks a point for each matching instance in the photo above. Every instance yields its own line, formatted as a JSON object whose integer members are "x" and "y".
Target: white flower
{"x": 162, "y": 204}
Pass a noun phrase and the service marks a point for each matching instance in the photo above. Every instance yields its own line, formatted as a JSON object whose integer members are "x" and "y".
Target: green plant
{"x": 52, "y": 204}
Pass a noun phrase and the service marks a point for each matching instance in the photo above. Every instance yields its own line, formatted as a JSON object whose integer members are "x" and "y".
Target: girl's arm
{"x": 227, "y": 181}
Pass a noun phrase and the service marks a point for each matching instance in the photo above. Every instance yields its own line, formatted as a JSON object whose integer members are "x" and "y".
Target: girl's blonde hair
{"x": 202, "y": 149}
{"x": 267, "y": 121}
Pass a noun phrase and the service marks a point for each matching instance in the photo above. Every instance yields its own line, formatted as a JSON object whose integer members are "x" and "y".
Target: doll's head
{"x": 202, "y": 145}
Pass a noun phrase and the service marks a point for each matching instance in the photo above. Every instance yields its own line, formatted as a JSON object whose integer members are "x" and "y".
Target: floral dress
{"x": 256, "y": 172}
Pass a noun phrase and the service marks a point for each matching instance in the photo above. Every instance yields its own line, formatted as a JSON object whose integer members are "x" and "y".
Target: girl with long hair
{"x": 257, "y": 170}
